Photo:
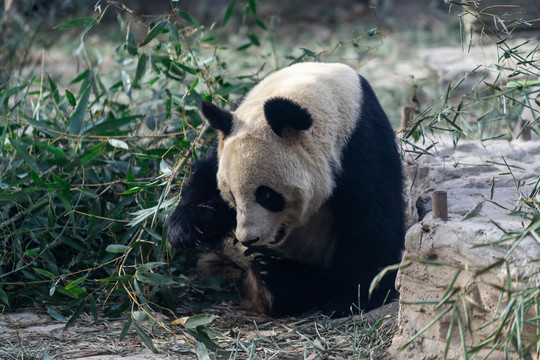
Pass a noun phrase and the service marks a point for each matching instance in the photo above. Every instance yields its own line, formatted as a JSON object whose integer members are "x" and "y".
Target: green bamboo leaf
{"x": 58, "y": 153}
{"x": 6, "y": 94}
{"x": 129, "y": 175}
{"x": 93, "y": 307}
{"x": 186, "y": 68}
{"x": 131, "y": 45}
{"x": 153, "y": 278}
{"x": 76, "y": 121}
{"x": 6, "y": 197}
{"x": 202, "y": 352}
{"x": 116, "y": 248}
{"x": 3, "y": 136}
{"x": 91, "y": 154}
{"x": 24, "y": 154}
{"x": 156, "y": 30}
{"x": 78, "y": 311}
{"x": 107, "y": 127}
{"x": 141, "y": 69}
{"x": 82, "y": 76}
{"x": 202, "y": 336}
{"x": 120, "y": 278}
{"x": 228, "y": 12}
{"x": 194, "y": 85}
{"x": 82, "y": 22}
{"x": 35, "y": 178}
{"x": 4, "y": 297}
{"x": 71, "y": 98}
{"x": 63, "y": 183}
{"x": 254, "y": 40}
{"x": 145, "y": 338}
{"x": 252, "y": 7}
{"x": 260, "y": 24}
{"x": 70, "y": 242}
{"x": 45, "y": 273}
{"x": 125, "y": 328}
{"x": 174, "y": 33}
{"x": 56, "y": 315}
{"x": 198, "y": 320}
{"x": 54, "y": 91}
{"x": 377, "y": 279}
{"x": 493, "y": 86}
{"x": 75, "y": 283}
{"x": 475, "y": 211}
{"x": 190, "y": 19}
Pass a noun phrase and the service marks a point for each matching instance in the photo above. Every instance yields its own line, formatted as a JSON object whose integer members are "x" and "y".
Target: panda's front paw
{"x": 279, "y": 287}
{"x": 188, "y": 224}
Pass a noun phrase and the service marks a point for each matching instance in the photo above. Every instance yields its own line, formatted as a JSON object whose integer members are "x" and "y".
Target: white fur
{"x": 299, "y": 164}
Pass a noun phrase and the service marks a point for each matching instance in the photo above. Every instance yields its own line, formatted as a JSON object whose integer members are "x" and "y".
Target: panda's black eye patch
{"x": 269, "y": 198}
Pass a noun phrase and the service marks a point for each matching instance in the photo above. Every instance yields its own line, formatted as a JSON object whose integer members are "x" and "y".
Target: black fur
{"x": 295, "y": 287}
{"x": 202, "y": 214}
{"x": 219, "y": 119}
{"x": 367, "y": 208}
{"x": 282, "y": 113}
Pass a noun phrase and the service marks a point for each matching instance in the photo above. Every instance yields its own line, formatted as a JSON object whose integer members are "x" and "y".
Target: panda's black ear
{"x": 219, "y": 119}
{"x": 282, "y": 113}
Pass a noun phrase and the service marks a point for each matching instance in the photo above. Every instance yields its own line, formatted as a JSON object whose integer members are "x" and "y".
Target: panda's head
{"x": 266, "y": 171}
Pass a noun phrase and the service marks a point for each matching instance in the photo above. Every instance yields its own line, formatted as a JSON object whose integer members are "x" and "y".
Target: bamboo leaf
{"x": 78, "y": 311}
{"x": 153, "y": 278}
{"x": 198, "y": 320}
{"x": 130, "y": 178}
{"x": 120, "y": 278}
{"x": 45, "y": 273}
{"x": 56, "y": 315}
{"x": 116, "y": 248}
{"x": 24, "y": 154}
{"x": 174, "y": 33}
{"x": 475, "y": 211}
{"x": 228, "y": 12}
{"x": 76, "y": 121}
{"x": 54, "y": 91}
{"x": 91, "y": 154}
{"x": 155, "y": 31}
{"x": 82, "y": 22}
{"x": 119, "y": 144}
{"x": 141, "y": 69}
{"x": 71, "y": 98}
{"x": 3, "y": 136}
{"x": 190, "y": 19}
{"x": 202, "y": 352}
{"x": 125, "y": 328}
{"x": 383, "y": 272}
{"x": 145, "y": 337}
{"x": 4, "y": 297}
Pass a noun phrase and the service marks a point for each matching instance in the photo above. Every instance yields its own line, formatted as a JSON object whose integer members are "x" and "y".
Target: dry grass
{"x": 239, "y": 333}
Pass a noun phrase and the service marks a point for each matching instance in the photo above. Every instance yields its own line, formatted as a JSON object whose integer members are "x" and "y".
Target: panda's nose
{"x": 250, "y": 242}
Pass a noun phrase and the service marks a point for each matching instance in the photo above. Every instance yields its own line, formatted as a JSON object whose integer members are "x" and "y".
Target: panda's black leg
{"x": 201, "y": 215}
{"x": 279, "y": 287}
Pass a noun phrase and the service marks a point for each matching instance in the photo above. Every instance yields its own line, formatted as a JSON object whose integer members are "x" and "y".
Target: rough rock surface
{"x": 495, "y": 172}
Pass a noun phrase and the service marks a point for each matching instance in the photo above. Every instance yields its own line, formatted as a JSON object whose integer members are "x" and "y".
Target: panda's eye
{"x": 269, "y": 198}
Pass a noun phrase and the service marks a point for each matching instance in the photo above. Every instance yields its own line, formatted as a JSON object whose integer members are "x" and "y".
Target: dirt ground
{"x": 35, "y": 335}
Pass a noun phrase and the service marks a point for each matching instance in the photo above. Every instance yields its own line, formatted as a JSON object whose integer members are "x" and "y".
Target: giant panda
{"x": 308, "y": 167}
